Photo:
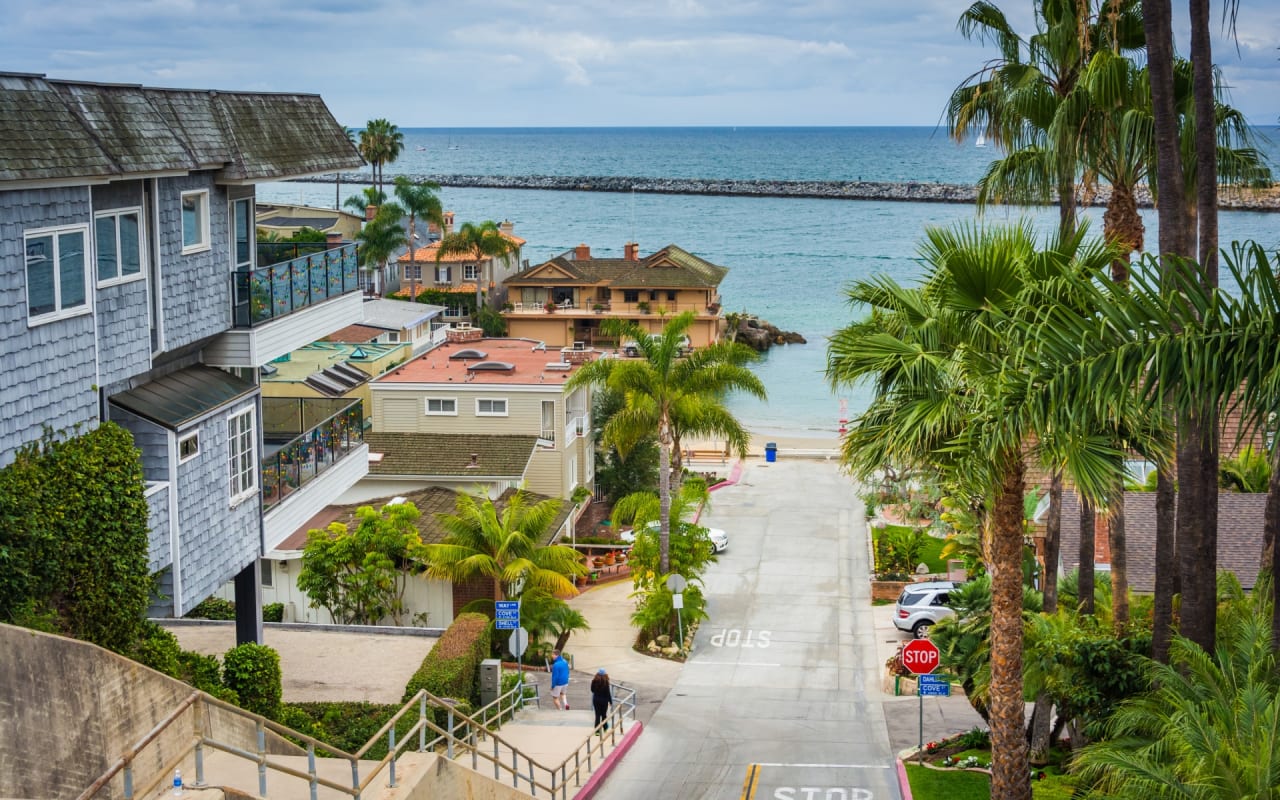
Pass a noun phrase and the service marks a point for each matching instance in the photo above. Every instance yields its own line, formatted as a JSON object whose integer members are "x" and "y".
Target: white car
{"x": 719, "y": 539}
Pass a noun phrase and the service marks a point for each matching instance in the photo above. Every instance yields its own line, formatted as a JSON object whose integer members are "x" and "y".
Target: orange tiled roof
{"x": 428, "y": 253}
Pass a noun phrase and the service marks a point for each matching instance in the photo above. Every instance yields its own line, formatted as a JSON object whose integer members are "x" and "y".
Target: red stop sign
{"x": 920, "y": 656}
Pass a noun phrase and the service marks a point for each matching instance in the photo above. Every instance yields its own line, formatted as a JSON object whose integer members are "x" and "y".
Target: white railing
{"x": 577, "y": 426}
{"x": 439, "y": 335}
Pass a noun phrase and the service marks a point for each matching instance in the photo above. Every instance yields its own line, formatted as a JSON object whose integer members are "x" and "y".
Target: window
{"x": 195, "y": 221}
{"x": 267, "y": 572}
{"x": 470, "y": 272}
{"x": 444, "y": 275}
{"x": 242, "y": 462}
{"x": 491, "y": 408}
{"x": 413, "y": 272}
{"x": 188, "y": 447}
{"x": 57, "y": 275}
{"x": 671, "y": 295}
{"x": 119, "y": 245}
{"x": 653, "y": 294}
{"x": 242, "y": 219}
{"x": 442, "y": 405}
{"x": 549, "y": 421}
{"x": 573, "y": 472}
{"x": 393, "y": 337}
{"x": 630, "y": 296}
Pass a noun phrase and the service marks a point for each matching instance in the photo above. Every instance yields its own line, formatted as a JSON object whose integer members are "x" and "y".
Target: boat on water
{"x": 420, "y": 147}
{"x": 982, "y": 141}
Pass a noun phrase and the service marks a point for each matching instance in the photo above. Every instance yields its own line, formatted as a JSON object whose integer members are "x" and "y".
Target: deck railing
{"x": 265, "y": 293}
{"x": 304, "y": 456}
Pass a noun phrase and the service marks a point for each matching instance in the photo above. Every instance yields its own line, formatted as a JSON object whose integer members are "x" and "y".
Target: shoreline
{"x": 707, "y": 451}
{"x": 1230, "y": 198}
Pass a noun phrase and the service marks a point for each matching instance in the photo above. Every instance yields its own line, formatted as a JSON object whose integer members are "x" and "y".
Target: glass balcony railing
{"x": 303, "y": 438}
{"x": 265, "y": 293}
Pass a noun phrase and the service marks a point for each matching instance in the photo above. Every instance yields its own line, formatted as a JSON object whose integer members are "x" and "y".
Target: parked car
{"x": 921, "y": 606}
{"x": 719, "y": 539}
{"x": 630, "y": 349}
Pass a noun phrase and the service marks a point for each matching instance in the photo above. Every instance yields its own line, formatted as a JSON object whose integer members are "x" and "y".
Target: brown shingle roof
{"x": 431, "y": 503}
{"x": 357, "y": 333}
{"x": 1240, "y": 518}
{"x": 669, "y": 268}
{"x": 449, "y": 455}
{"x": 60, "y": 130}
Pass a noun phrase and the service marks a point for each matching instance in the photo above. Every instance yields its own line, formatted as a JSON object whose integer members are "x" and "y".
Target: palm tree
{"x": 381, "y": 142}
{"x": 337, "y": 176}
{"x": 484, "y": 242}
{"x": 421, "y": 201}
{"x": 669, "y": 393}
{"x": 936, "y": 356}
{"x": 380, "y": 237}
{"x": 503, "y": 545}
{"x": 369, "y": 196}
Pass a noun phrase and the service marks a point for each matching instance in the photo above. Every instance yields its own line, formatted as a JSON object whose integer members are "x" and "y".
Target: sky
{"x": 508, "y": 63}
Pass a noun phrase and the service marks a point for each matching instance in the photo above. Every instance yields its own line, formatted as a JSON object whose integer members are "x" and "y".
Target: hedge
{"x": 252, "y": 671}
{"x": 451, "y": 668}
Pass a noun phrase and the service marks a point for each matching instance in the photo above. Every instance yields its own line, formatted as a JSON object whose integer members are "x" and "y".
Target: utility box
{"x": 490, "y": 680}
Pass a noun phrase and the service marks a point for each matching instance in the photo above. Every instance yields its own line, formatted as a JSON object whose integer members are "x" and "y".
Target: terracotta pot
{"x": 610, "y": 560}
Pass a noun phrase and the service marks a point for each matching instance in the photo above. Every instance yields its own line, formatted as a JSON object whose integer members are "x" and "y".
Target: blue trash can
{"x": 771, "y": 452}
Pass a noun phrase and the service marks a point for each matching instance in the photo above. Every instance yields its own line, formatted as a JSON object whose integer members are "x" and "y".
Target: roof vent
{"x": 475, "y": 461}
{"x": 359, "y": 353}
{"x": 492, "y": 366}
{"x": 396, "y": 501}
{"x": 468, "y": 353}
{"x": 559, "y": 366}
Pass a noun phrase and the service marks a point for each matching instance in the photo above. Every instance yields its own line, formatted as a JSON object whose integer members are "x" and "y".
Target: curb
{"x": 598, "y": 777}
{"x": 904, "y": 785}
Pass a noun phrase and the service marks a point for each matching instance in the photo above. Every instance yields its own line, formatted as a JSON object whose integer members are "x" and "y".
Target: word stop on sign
{"x": 738, "y": 638}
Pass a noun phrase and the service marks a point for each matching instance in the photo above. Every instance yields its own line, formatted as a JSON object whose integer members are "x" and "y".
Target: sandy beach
{"x": 818, "y": 446}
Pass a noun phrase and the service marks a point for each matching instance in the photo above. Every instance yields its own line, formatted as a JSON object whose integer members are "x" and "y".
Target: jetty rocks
{"x": 760, "y": 335}
{"x": 907, "y": 191}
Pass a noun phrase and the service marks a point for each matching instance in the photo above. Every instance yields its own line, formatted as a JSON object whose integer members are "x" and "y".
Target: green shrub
{"x": 974, "y": 739}
{"x": 252, "y": 671}
{"x": 451, "y": 668}
{"x": 74, "y": 538}
{"x": 348, "y": 726}
{"x": 273, "y": 612}
{"x": 205, "y": 673}
{"x": 159, "y": 649}
{"x": 213, "y": 608}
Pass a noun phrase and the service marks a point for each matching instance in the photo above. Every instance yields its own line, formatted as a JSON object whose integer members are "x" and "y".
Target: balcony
{"x": 281, "y": 306}
{"x": 576, "y": 427}
{"x": 314, "y": 451}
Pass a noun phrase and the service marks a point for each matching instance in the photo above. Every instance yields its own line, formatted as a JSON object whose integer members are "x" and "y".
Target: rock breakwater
{"x": 908, "y": 191}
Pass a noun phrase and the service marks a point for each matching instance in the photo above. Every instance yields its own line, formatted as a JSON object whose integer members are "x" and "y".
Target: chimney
{"x": 333, "y": 239}
{"x": 581, "y": 253}
{"x": 507, "y": 226}
{"x": 631, "y": 251}
{"x": 448, "y": 223}
{"x": 370, "y": 211}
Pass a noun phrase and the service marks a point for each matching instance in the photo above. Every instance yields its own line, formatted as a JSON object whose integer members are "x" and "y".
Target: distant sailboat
{"x": 421, "y": 147}
{"x": 982, "y": 140}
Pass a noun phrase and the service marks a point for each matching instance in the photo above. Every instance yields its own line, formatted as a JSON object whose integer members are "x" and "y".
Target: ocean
{"x": 789, "y": 258}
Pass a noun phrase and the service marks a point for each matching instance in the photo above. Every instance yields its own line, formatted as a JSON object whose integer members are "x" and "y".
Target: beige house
{"x": 286, "y": 220}
{"x": 460, "y": 272}
{"x": 510, "y": 391}
{"x": 565, "y": 299}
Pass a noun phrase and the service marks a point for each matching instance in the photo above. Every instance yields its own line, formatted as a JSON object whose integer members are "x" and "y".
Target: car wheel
{"x": 921, "y": 630}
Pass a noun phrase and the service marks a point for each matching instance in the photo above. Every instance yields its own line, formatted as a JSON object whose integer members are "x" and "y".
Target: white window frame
{"x": 471, "y": 272}
{"x": 243, "y": 483}
{"x": 202, "y": 220}
{"x": 193, "y": 436}
{"x": 443, "y": 275}
{"x": 266, "y": 573}
{"x": 492, "y": 401}
{"x": 573, "y": 472}
{"x": 59, "y": 312}
{"x": 426, "y": 406}
{"x": 247, "y": 264}
{"x": 120, "y": 277}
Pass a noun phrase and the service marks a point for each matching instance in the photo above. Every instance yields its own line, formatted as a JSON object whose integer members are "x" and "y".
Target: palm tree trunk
{"x": 664, "y": 497}
{"x": 1066, "y": 198}
{"x": 1084, "y": 575}
{"x": 1271, "y": 526}
{"x": 1010, "y": 778}
{"x": 1122, "y": 226}
{"x": 1198, "y": 527}
{"x": 413, "y": 265}
{"x": 1052, "y": 543}
{"x": 1119, "y": 565}
{"x": 1166, "y": 567}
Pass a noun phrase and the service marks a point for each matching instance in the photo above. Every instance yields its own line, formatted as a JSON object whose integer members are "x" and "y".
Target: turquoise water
{"x": 788, "y": 258}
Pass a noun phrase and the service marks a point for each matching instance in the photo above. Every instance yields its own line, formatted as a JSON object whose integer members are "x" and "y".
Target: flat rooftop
{"x": 485, "y": 362}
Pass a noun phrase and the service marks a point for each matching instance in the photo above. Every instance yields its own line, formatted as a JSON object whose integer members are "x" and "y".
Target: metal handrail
{"x": 125, "y": 761}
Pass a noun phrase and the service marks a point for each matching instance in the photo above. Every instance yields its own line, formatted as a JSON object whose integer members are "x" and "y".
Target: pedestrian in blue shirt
{"x": 559, "y": 680}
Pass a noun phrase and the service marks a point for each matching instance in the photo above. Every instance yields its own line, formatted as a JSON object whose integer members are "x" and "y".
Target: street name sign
{"x": 933, "y": 686}
{"x": 507, "y": 615}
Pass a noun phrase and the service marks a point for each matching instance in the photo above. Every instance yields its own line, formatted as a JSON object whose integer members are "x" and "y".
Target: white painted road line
{"x": 829, "y": 766}
{"x": 734, "y": 663}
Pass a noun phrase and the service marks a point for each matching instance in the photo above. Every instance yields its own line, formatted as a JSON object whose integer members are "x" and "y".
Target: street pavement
{"x": 781, "y": 697}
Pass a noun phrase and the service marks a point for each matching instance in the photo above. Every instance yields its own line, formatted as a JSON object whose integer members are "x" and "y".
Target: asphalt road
{"x": 781, "y": 697}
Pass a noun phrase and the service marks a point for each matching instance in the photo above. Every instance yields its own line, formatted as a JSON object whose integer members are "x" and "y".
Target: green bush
{"x": 73, "y": 538}
{"x": 159, "y": 649}
{"x": 205, "y": 673}
{"x": 213, "y": 608}
{"x": 348, "y": 726}
{"x": 252, "y": 671}
{"x": 451, "y": 668}
{"x": 273, "y": 612}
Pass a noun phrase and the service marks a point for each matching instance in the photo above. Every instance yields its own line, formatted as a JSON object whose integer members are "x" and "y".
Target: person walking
{"x": 601, "y": 698}
{"x": 559, "y": 680}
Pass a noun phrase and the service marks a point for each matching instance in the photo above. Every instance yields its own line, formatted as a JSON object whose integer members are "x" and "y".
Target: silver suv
{"x": 921, "y": 605}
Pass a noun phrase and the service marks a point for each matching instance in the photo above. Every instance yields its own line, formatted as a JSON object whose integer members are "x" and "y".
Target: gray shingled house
{"x": 131, "y": 290}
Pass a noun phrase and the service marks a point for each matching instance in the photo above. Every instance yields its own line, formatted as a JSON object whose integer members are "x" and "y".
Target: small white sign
{"x": 677, "y": 600}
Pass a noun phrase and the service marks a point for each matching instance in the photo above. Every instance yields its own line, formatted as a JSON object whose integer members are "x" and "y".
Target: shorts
{"x": 558, "y": 691}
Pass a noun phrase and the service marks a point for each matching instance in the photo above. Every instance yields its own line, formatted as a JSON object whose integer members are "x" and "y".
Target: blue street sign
{"x": 507, "y": 624}
{"x": 508, "y": 605}
{"x": 507, "y": 615}
{"x": 933, "y": 686}
{"x": 502, "y": 613}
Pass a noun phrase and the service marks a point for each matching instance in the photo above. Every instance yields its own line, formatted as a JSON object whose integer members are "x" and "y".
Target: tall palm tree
{"x": 381, "y": 142}
{"x": 503, "y": 545}
{"x": 380, "y": 238}
{"x": 422, "y": 202}
{"x": 666, "y": 392}
{"x": 936, "y": 355}
{"x": 483, "y": 241}
{"x": 369, "y": 196}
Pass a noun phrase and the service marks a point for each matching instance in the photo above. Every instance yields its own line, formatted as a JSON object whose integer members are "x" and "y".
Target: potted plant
{"x": 643, "y": 305}
{"x": 597, "y": 307}
{"x": 610, "y": 559}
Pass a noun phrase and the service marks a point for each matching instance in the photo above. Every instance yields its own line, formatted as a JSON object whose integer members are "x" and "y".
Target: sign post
{"x": 506, "y": 617}
{"x": 676, "y": 584}
{"x": 921, "y": 657}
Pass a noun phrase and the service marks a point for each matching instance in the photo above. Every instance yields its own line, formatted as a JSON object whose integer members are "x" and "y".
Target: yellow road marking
{"x": 752, "y": 782}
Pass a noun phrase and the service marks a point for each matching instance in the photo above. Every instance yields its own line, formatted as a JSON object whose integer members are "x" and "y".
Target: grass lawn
{"x": 932, "y": 548}
{"x": 930, "y": 784}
